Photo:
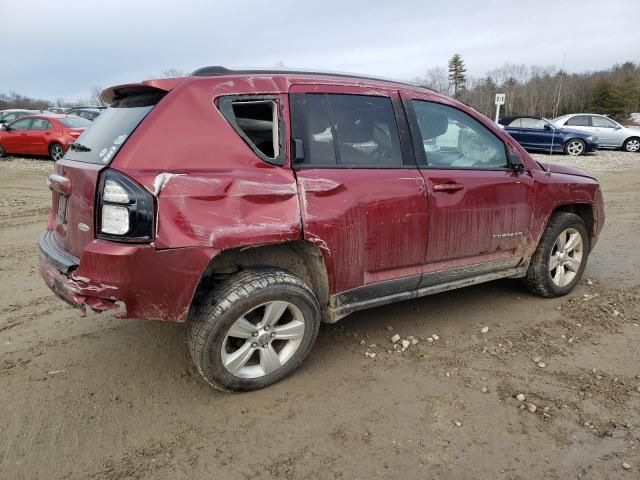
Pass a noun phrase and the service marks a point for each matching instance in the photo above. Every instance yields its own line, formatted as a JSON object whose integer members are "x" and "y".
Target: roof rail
{"x": 217, "y": 70}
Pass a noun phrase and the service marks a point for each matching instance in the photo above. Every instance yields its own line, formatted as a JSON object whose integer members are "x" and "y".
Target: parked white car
{"x": 610, "y": 133}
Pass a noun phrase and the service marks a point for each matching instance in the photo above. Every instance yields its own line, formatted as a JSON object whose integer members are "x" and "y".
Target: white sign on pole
{"x": 499, "y": 101}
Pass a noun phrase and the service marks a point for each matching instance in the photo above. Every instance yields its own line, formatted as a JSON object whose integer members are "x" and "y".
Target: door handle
{"x": 447, "y": 187}
{"x": 23, "y": 134}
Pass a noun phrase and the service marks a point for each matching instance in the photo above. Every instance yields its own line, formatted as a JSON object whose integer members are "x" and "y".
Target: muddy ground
{"x": 96, "y": 397}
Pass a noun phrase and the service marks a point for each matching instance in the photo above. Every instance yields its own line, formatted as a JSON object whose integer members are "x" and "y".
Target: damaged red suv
{"x": 255, "y": 205}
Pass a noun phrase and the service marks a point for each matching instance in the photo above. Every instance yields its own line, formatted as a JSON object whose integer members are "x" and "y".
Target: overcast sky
{"x": 61, "y": 48}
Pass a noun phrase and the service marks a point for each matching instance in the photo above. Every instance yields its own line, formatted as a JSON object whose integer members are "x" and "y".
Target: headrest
{"x": 434, "y": 126}
{"x": 317, "y": 124}
{"x": 354, "y": 127}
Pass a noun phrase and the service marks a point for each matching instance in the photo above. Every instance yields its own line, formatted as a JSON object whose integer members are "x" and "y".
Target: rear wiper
{"x": 79, "y": 147}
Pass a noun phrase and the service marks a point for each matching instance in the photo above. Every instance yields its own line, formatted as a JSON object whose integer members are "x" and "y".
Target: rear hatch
{"x": 76, "y": 177}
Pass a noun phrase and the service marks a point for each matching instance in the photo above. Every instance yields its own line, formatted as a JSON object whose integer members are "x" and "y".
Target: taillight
{"x": 125, "y": 210}
{"x": 75, "y": 134}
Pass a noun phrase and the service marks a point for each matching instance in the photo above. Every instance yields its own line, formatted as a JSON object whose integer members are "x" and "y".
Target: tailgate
{"x": 73, "y": 187}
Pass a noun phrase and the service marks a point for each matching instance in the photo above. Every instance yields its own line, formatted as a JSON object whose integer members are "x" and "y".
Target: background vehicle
{"x": 45, "y": 134}
{"x": 277, "y": 222}
{"x": 539, "y": 133}
{"x": 7, "y": 116}
{"x": 57, "y": 109}
{"x": 609, "y": 132}
{"x": 85, "y": 112}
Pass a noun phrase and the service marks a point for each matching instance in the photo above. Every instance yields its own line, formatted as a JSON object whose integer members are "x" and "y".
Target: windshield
{"x": 551, "y": 122}
{"x": 75, "y": 122}
{"x": 110, "y": 130}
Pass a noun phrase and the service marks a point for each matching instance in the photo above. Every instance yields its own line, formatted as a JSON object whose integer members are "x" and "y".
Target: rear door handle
{"x": 447, "y": 187}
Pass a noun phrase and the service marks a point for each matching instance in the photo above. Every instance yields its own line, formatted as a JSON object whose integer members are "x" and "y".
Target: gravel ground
{"x": 494, "y": 383}
{"x": 602, "y": 161}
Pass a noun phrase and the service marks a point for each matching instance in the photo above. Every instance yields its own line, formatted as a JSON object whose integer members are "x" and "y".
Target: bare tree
{"x": 436, "y": 79}
{"x": 96, "y": 98}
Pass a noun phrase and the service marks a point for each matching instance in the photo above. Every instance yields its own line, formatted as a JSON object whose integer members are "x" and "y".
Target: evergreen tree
{"x": 606, "y": 98}
{"x": 457, "y": 72}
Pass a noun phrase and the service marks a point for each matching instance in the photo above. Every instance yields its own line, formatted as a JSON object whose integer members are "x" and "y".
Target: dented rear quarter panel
{"x": 211, "y": 189}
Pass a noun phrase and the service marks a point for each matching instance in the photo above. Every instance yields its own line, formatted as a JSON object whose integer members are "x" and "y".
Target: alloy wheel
{"x": 263, "y": 339}
{"x": 56, "y": 152}
{"x": 575, "y": 147}
{"x": 633, "y": 145}
{"x": 566, "y": 257}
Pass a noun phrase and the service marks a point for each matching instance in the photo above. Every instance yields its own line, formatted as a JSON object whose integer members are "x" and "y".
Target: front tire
{"x": 56, "y": 152}
{"x": 574, "y": 147}
{"x": 254, "y": 330}
{"x": 631, "y": 145}
{"x": 2, "y": 151}
{"x": 560, "y": 258}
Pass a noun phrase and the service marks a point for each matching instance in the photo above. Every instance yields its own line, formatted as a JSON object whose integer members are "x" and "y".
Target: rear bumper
{"x": 134, "y": 281}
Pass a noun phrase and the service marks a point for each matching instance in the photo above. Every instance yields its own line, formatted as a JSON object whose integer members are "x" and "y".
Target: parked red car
{"x": 46, "y": 134}
{"x": 254, "y": 205}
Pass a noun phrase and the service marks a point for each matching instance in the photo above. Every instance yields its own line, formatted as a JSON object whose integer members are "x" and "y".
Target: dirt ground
{"x": 101, "y": 398}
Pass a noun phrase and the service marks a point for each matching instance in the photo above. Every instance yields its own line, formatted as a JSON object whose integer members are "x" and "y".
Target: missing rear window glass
{"x": 258, "y": 120}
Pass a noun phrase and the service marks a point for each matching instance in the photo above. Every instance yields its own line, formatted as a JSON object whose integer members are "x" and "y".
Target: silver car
{"x": 610, "y": 133}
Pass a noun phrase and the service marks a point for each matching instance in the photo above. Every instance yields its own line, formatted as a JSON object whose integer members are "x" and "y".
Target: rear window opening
{"x": 258, "y": 120}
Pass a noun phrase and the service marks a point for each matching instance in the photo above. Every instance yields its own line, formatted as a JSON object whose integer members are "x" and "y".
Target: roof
{"x": 11, "y": 110}
{"x": 48, "y": 115}
{"x": 511, "y": 118}
{"x": 84, "y": 109}
{"x": 217, "y": 71}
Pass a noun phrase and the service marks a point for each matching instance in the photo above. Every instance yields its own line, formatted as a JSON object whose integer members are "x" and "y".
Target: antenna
{"x": 555, "y": 110}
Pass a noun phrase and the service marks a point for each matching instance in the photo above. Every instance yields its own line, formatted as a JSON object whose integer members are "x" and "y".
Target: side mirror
{"x": 617, "y": 127}
{"x": 516, "y": 162}
{"x": 5, "y": 127}
{"x": 547, "y": 126}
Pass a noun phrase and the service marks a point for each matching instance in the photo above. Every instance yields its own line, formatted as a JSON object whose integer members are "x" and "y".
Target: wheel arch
{"x": 585, "y": 211}
{"x": 52, "y": 142}
{"x": 632, "y": 137}
{"x": 299, "y": 257}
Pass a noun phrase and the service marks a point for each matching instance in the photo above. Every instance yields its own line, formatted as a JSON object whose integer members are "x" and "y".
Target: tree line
{"x": 544, "y": 91}
{"x": 530, "y": 90}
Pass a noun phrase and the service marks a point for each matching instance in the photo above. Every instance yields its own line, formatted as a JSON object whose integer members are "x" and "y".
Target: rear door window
{"x": 40, "y": 124}
{"x": 579, "y": 121}
{"x": 110, "y": 130}
{"x": 346, "y": 130}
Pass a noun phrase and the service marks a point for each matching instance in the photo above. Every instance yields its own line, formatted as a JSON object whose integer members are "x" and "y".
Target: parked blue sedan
{"x": 539, "y": 133}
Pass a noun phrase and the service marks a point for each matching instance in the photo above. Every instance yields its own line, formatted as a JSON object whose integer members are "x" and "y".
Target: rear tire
{"x": 56, "y": 152}
{"x": 2, "y": 151}
{"x": 631, "y": 144}
{"x": 574, "y": 147}
{"x": 254, "y": 330}
{"x": 560, "y": 258}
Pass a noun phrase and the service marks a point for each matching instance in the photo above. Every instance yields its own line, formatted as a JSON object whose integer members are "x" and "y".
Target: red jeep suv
{"x": 255, "y": 205}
